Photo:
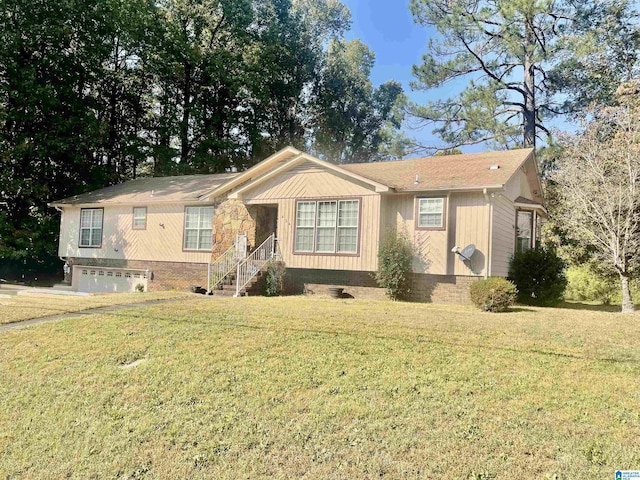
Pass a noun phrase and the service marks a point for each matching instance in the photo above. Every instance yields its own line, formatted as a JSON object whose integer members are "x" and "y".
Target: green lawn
{"x": 315, "y": 388}
{"x": 24, "y": 307}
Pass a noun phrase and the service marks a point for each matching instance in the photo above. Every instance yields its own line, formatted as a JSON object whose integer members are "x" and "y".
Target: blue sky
{"x": 387, "y": 27}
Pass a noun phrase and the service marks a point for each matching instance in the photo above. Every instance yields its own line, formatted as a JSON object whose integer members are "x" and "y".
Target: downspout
{"x": 487, "y": 258}
{"x": 64, "y": 259}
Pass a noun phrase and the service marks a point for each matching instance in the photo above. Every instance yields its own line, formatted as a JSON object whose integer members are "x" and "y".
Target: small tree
{"x": 394, "y": 264}
{"x": 597, "y": 181}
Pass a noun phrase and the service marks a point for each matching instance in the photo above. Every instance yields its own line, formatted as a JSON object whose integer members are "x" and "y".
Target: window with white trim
{"x": 139, "y": 218}
{"x": 91, "y": 227}
{"x": 431, "y": 212}
{"x": 327, "y": 226}
{"x": 524, "y": 230}
{"x": 198, "y": 228}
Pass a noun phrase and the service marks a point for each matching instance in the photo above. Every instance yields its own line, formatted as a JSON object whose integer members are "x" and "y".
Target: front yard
{"x": 316, "y": 388}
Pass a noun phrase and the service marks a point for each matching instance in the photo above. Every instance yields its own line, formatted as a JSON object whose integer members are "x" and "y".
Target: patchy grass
{"x": 317, "y": 388}
{"x": 24, "y": 307}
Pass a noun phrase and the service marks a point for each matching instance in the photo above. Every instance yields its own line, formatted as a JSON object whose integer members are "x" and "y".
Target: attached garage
{"x": 100, "y": 279}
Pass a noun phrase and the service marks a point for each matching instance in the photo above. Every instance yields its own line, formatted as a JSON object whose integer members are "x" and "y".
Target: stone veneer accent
{"x": 232, "y": 217}
{"x": 166, "y": 275}
{"x": 446, "y": 289}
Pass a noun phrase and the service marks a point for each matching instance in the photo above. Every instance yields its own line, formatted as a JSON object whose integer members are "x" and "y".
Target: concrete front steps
{"x": 254, "y": 288}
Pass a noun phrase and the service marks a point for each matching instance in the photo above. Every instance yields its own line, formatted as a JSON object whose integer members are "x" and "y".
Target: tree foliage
{"x": 524, "y": 60}
{"x": 597, "y": 182}
{"x": 95, "y": 93}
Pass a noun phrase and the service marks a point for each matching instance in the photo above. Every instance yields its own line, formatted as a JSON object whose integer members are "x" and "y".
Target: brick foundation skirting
{"x": 447, "y": 289}
{"x": 166, "y": 275}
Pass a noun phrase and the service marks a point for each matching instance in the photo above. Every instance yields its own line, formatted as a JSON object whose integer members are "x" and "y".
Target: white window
{"x": 91, "y": 227}
{"x": 328, "y": 226}
{"x": 139, "y": 218}
{"x": 524, "y": 233}
{"x": 198, "y": 228}
{"x": 431, "y": 212}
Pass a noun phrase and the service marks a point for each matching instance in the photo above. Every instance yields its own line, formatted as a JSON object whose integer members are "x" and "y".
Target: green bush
{"x": 394, "y": 264}
{"x": 539, "y": 276}
{"x": 495, "y": 294}
{"x": 585, "y": 284}
{"x": 274, "y": 280}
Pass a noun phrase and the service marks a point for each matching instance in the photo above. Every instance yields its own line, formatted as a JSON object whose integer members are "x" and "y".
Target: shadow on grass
{"x": 591, "y": 307}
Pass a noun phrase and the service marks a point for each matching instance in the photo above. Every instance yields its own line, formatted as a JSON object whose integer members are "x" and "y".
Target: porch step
{"x": 229, "y": 286}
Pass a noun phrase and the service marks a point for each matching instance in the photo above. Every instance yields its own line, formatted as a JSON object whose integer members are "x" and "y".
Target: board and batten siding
{"x": 504, "y": 233}
{"x": 311, "y": 182}
{"x": 431, "y": 245}
{"x": 161, "y": 241}
{"x": 468, "y": 224}
{"x": 467, "y": 221}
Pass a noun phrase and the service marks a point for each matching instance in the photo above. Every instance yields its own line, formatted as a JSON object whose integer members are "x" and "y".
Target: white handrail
{"x": 250, "y": 266}
{"x": 222, "y": 266}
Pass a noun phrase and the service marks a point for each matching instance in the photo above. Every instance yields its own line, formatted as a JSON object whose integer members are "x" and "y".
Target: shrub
{"x": 394, "y": 264}
{"x": 585, "y": 284}
{"x": 140, "y": 288}
{"x": 539, "y": 277}
{"x": 494, "y": 294}
{"x": 274, "y": 280}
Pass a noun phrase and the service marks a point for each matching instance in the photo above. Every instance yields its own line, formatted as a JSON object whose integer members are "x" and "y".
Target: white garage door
{"x": 95, "y": 279}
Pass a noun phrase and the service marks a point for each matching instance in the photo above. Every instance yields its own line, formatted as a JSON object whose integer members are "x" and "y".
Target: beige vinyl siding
{"x": 518, "y": 186}
{"x": 306, "y": 180}
{"x": 310, "y": 182}
{"x": 467, "y": 221}
{"x": 431, "y": 245}
{"x": 503, "y": 242}
{"x": 161, "y": 241}
{"x": 469, "y": 224}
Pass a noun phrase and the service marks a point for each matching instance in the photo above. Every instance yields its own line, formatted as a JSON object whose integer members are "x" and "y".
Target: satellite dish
{"x": 468, "y": 251}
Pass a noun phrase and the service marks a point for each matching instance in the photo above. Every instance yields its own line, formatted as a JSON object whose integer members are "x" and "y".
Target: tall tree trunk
{"x": 529, "y": 112}
{"x": 627, "y": 301}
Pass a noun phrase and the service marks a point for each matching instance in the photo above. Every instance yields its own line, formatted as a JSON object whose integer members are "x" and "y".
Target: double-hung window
{"x": 431, "y": 213}
{"x": 524, "y": 231}
{"x": 198, "y": 228}
{"x": 139, "y": 218}
{"x": 327, "y": 226}
{"x": 91, "y": 227}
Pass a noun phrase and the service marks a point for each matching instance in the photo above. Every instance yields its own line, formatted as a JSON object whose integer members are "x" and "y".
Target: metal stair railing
{"x": 222, "y": 266}
{"x": 251, "y": 266}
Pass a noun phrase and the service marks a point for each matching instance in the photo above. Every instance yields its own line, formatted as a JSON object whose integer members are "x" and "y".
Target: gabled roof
{"x": 185, "y": 188}
{"x": 451, "y": 172}
{"x": 469, "y": 170}
{"x": 280, "y": 162}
